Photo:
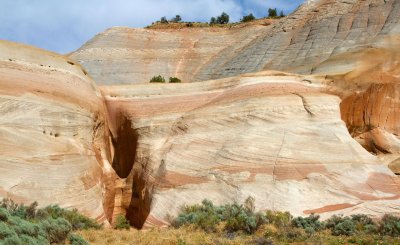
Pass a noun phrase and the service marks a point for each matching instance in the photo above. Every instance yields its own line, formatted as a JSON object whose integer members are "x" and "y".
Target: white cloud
{"x": 63, "y": 26}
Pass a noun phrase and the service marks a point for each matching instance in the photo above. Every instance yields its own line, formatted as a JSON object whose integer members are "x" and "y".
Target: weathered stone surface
{"x": 320, "y": 37}
{"x": 123, "y": 55}
{"x": 272, "y": 136}
{"x": 53, "y": 136}
{"x": 276, "y": 136}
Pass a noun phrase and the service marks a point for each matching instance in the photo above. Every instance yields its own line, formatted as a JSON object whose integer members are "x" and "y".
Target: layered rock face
{"x": 53, "y": 136}
{"x": 124, "y": 55}
{"x": 273, "y": 136}
{"x": 146, "y": 149}
{"x": 318, "y": 34}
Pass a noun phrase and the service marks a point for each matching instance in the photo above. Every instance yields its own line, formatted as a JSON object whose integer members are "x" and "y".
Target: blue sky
{"x": 64, "y": 25}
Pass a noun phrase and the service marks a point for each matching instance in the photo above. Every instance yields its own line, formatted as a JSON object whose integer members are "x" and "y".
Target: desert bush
{"x": 279, "y": 219}
{"x": 239, "y": 218}
{"x": 310, "y": 224}
{"x": 12, "y": 240}
{"x": 235, "y": 217}
{"x": 77, "y": 220}
{"x": 205, "y": 216}
{"x": 75, "y": 239}
{"x": 390, "y": 225}
{"x": 20, "y": 224}
{"x": 57, "y": 229}
{"x": 6, "y": 231}
{"x": 346, "y": 227}
{"x": 122, "y": 223}
{"x": 174, "y": 80}
{"x": 4, "y": 214}
{"x": 364, "y": 223}
{"x": 248, "y": 18}
{"x": 157, "y": 79}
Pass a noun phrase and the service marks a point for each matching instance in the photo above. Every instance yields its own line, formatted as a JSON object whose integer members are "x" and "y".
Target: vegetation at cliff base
{"x": 204, "y": 223}
{"x": 20, "y": 224}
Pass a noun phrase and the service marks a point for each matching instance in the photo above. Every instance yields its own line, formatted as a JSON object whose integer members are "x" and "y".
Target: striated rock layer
{"x": 274, "y": 136}
{"x": 53, "y": 136}
{"x": 321, "y": 36}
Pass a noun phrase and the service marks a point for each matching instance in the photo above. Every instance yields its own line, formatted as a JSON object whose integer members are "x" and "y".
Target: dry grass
{"x": 170, "y": 236}
{"x": 190, "y": 236}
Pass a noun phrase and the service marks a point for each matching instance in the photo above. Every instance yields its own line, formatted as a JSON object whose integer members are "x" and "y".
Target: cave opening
{"x": 124, "y": 148}
{"x": 136, "y": 192}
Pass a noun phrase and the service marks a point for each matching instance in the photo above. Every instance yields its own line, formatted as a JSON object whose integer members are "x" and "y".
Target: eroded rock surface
{"x": 320, "y": 37}
{"x": 273, "y": 136}
{"x": 53, "y": 136}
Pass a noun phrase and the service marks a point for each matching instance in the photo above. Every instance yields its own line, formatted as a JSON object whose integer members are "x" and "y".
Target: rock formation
{"x": 274, "y": 136}
{"x": 146, "y": 149}
{"x": 53, "y": 136}
{"x": 307, "y": 41}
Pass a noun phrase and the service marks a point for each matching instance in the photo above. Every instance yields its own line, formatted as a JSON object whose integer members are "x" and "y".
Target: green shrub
{"x": 77, "y": 220}
{"x": 390, "y": 225}
{"x": 248, "y": 18}
{"x": 25, "y": 239}
{"x": 205, "y": 216}
{"x": 364, "y": 223}
{"x": 122, "y": 223}
{"x": 12, "y": 240}
{"x": 236, "y": 217}
{"x": 4, "y": 214}
{"x": 347, "y": 228}
{"x": 20, "y": 224}
{"x": 6, "y": 231}
{"x": 311, "y": 223}
{"x": 157, "y": 79}
{"x": 75, "y": 239}
{"x": 57, "y": 229}
{"x": 279, "y": 219}
{"x": 174, "y": 80}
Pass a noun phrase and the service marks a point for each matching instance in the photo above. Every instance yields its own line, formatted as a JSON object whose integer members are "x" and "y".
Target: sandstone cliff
{"x": 307, "y": 41}
{"x": 53, "y": 136}
{"x": 144, "y": 150}
{"x": 274, "y": 136}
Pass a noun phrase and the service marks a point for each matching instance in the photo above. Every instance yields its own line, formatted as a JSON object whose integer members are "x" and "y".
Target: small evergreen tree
{"x": 272, "y": 13}
{"x": 164, "y": 20}
{"x": 282, "y": 14}
{"x": 213, "y": 21}
{"x": 248, "y": 18}
{"x": 157, "y": 79}
{"x": 122, "y": 223}
{"x": 177, "y": 18}
{"x": 223, "y": 18}
{"x": 174, "y": 80}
